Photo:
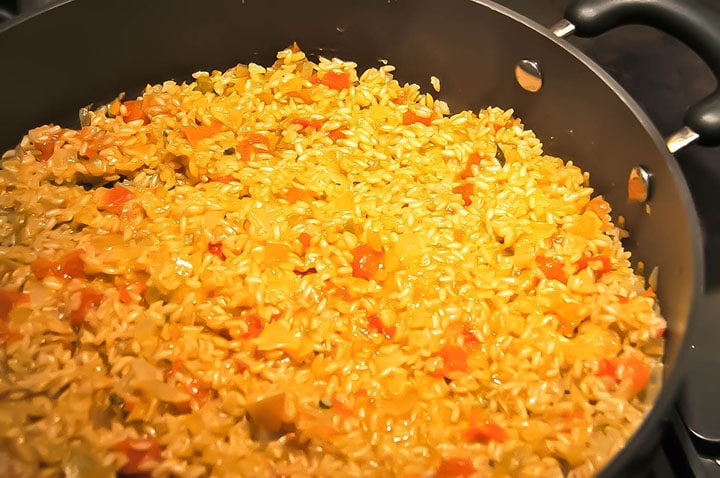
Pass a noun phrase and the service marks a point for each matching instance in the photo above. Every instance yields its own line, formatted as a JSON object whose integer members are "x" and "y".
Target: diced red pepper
{"x": 239, "y": 366}
{"x": 305, "y": 240}
{"x": 639, "y": 373}
{"x": 89, "y": 299}
{"x": 606, "y": 265}
{"x": 303, "y": 95}
{"x": 470, "y": 340}
{"x": 336, "y": 81}
{"x": 485, "y": 433}
{"x": 455, "y": 468}
{"x": 132, "y": 293}
{"x": 607, "y": 368}
{"x": 552, "y": 268}
{"x": 221, "y": 179}
{"x": 409, "y": 117}
{"x": 198, "y": 390}
{"x": 454, "y": 359}
{"x": 248, "y": 146}
{"x": 114, "y": 199}
{"x": 599, "y": 206}
{"x": 376, "y": 325}
{"x": 337, "y": 134}
{"x": 216, "y": 249}
{"x": 255, "y": 326}
{"x": 195, "y": 133}
{"x": 618, "y": 369}
{"x": 315, "y": 124}
{"x": 71, "y": 266}
{"x": 367, "y": 262}
{"x": 294, "y": 195}
{"x": 465, "y": 190}
{"x": 8, "y": 300}
{"x": 46, "y": 148}
{"x": 649, "y": 292}
{"x": 473, "y": 160}
{"x": 135, "y": 111}
{"x": 92, "y": 152}
{"x": 142, "y": 454}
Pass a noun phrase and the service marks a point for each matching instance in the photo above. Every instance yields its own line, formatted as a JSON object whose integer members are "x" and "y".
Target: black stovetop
{"x": 664, "y": 77}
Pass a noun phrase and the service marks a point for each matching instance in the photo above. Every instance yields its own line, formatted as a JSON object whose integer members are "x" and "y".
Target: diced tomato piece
{"x": 195, "y": 133}
{"x": 409, "y": 117}
{"x": 142, "y": 454}
{"x": 8, "y": 300}
{"x": 367, "y": 262}
{"x": 135, "y": 111}
{"x": 376, "y": 325}
{"x": 455, "y": 468}
{"x": 606, "y": 264}
{"x": 216, "y": 249}
{"x": 485, "y": 433}
{"x": 133, "y": 293}
{"x": 305, "y": 240}
{"x": 454, "y": 359}
{"x": 552, "y": 268}
{"x": 71, "y": 266}
{"x": 336, "y": 81}
{"x": 248, "y": 146}
{"x": 89, "y": 299}
{"x": 465, "y": 190}
{"x": 114, "y": 199}
{"x": 473, "y": 160}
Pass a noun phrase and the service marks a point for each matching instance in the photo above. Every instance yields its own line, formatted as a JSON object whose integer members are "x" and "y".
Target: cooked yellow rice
{"x": 290, "y": 283}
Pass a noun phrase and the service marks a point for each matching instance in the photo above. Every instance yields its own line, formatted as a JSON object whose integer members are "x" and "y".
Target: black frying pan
{"x": 77, "y": 52}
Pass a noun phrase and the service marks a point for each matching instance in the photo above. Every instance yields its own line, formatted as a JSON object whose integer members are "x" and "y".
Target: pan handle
{"x": 687, "y": 20}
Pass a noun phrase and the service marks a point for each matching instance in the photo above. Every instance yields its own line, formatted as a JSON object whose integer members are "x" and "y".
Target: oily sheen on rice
{"x": 304, "y": 270}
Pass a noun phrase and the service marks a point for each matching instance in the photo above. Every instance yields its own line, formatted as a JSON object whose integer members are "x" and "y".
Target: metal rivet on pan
{"x": 638, "y": 187}
{"x": 528, "y": 75}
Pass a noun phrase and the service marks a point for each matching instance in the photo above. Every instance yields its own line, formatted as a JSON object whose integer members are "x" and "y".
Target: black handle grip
{"x": 687, "y": 20}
